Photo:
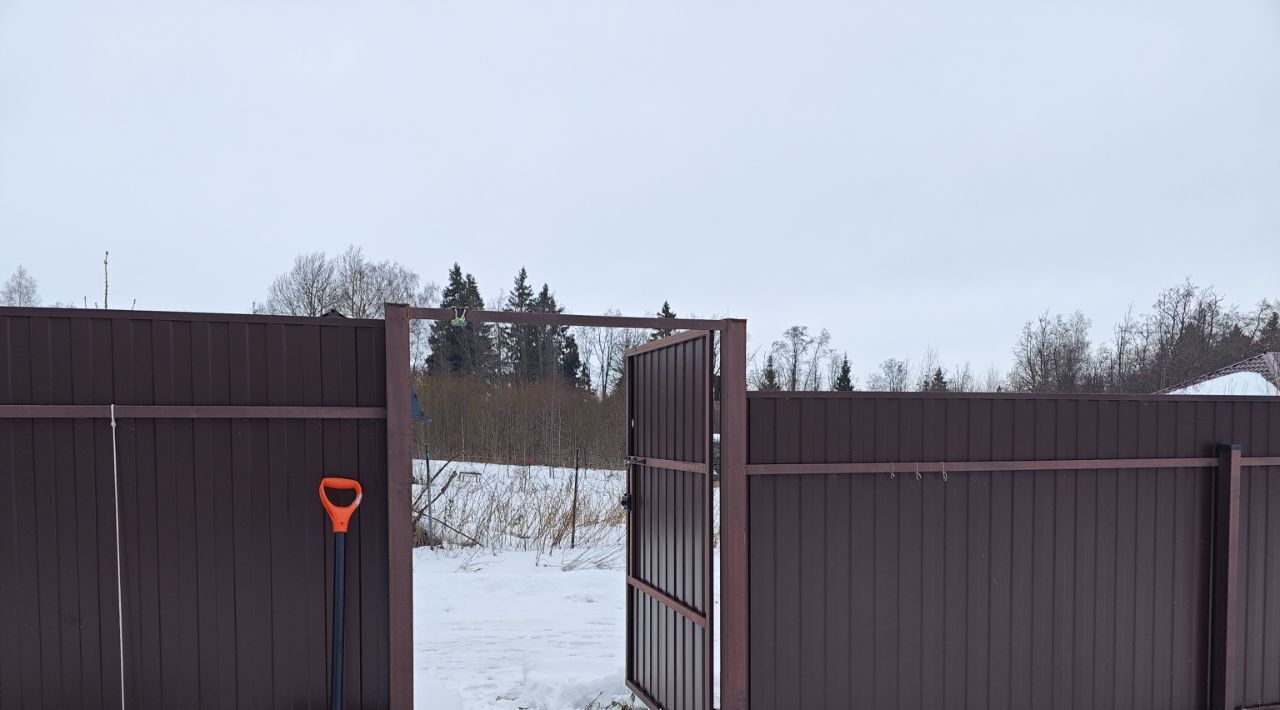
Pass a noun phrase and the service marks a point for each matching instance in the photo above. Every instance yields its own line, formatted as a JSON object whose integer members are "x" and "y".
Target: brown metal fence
{"x": 879, "y": 550}
{"x": 988, "y": 551}
{"x": 224, "y": 427}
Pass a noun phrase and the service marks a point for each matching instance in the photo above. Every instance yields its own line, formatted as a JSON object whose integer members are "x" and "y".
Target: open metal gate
{"x": 670, "y": 593}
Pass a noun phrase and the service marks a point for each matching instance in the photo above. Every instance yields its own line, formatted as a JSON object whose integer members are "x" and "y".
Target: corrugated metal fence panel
{"x": 669, "y": 524}
{"x": 225, "y": 548}
{"x": 1259, "y": 605}
{"x": 1054, "y": 589}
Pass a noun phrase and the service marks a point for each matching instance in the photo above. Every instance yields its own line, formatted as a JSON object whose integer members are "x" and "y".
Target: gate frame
{"x": 733, "y": 481}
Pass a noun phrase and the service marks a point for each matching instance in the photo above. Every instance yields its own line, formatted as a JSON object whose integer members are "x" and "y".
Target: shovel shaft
{"x": 339, "y": 599}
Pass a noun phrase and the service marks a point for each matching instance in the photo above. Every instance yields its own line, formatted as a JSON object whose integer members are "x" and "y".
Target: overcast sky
{"x": 905, "y": 174}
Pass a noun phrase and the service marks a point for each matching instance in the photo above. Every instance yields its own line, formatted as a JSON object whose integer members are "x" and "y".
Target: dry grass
{"x": 599, "y": 704}
{"x": 500, "y": 507}
{"x": 496, "y": 507}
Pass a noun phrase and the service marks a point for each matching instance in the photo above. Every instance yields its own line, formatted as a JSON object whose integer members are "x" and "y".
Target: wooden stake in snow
{"x": 573, "y": 531}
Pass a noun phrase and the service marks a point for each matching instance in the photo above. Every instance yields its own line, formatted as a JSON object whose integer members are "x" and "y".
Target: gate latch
{"x": 625, "y": 501}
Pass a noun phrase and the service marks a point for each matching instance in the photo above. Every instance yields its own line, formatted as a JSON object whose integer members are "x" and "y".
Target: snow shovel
{"x": 340, "y": 516}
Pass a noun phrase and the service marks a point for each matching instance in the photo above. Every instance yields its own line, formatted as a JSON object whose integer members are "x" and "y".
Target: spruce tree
{"x": 1269, "y": 338}
{"x": 572, "y": 369}
{"x": 769, "y": 378}
{"x": 937, "y": 383}
{"x": 666, "y": 312}
{"x": 519, "y": 341}
{"x": 844, "y": 380}
{"x": 547, "y": 339}
{"x": 466, "y": 349}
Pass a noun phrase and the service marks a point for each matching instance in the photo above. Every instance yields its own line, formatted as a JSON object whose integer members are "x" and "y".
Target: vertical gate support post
{"x": 1225, "y": 589}
{"x": 733, "y": 520}
{"x": 399, "y": 514}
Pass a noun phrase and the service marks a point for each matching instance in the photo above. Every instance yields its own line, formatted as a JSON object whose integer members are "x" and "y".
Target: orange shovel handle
{"x": 340, "y": 514}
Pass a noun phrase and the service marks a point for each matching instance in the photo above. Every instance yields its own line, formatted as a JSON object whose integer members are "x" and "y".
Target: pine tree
{"x": 844, "y": 380}
{"x": 466, "y": 349}
{"x": 519, "y": 341}
{"x": 666, "y": 312}
{"x": 769, "y": 378}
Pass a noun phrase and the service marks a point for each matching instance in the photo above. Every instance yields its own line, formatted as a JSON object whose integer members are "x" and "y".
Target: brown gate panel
{"x": 224, "y": 427}
{"x": 669, "y": 563}
{"x": 887, "y": 581}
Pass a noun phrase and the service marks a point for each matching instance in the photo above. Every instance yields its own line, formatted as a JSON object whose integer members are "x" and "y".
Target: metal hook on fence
{"x": 893, "y": 470}
{"x": 917, "y": 470}
{"x": 944, "y": 475}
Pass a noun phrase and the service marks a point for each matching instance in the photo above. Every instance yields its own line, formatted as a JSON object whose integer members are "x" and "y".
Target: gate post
{"x": 1225, "y": 588}
{"x": 399, "y": 515}
{"x": 733, "y": 517}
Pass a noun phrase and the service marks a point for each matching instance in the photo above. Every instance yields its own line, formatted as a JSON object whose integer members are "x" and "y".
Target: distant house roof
{"x": 1267, "y": 365}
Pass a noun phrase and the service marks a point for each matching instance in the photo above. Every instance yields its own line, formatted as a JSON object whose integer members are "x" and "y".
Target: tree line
{"x": 511, "y": 392}
{"x": 1189, "y": 330}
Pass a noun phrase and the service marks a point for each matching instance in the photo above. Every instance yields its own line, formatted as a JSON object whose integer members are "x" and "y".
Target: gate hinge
{"x": 634, "y": 461}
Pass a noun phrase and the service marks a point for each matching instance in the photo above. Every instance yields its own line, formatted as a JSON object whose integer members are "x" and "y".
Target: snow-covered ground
{"x": 515, "y": 630}
{"x": 1239, "y": 384}
{"x": 518, "y": 621}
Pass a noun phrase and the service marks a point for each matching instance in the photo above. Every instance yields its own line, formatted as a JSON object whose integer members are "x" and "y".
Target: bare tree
{"x": 791, "y": 355}
{"x": 354, "y": 286}
{"x": 1052, "y": 355}
{"x": 427, "y": 297}
{"x": 1118, "y": 365}
{"x": 624, "y": 340}
{"x": 363, "y": 287}
{"x": 893, "y": 375}
{"x": 819, "y": 361}
{"x": 961, "y": 378}
{"x": 350, "y": 284}
{"x": 307, "y": 289}
{"x": 600, "y": 349}
{"x": 20, "y": 290}
{"x": 992, "y": 380}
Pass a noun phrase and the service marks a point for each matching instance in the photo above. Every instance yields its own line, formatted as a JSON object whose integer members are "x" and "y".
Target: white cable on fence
{"x": 115, "y": 483}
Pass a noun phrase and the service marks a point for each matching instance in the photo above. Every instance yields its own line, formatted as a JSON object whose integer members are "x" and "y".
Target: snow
{"x": 1239, "y": 384}
{"x": 519, "y": 621}
{"x": 518, "y": 630}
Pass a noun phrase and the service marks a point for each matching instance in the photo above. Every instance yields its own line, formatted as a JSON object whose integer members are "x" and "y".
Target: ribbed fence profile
{"x": 1007, "y": 551}
{"x": 223, "y": 427}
